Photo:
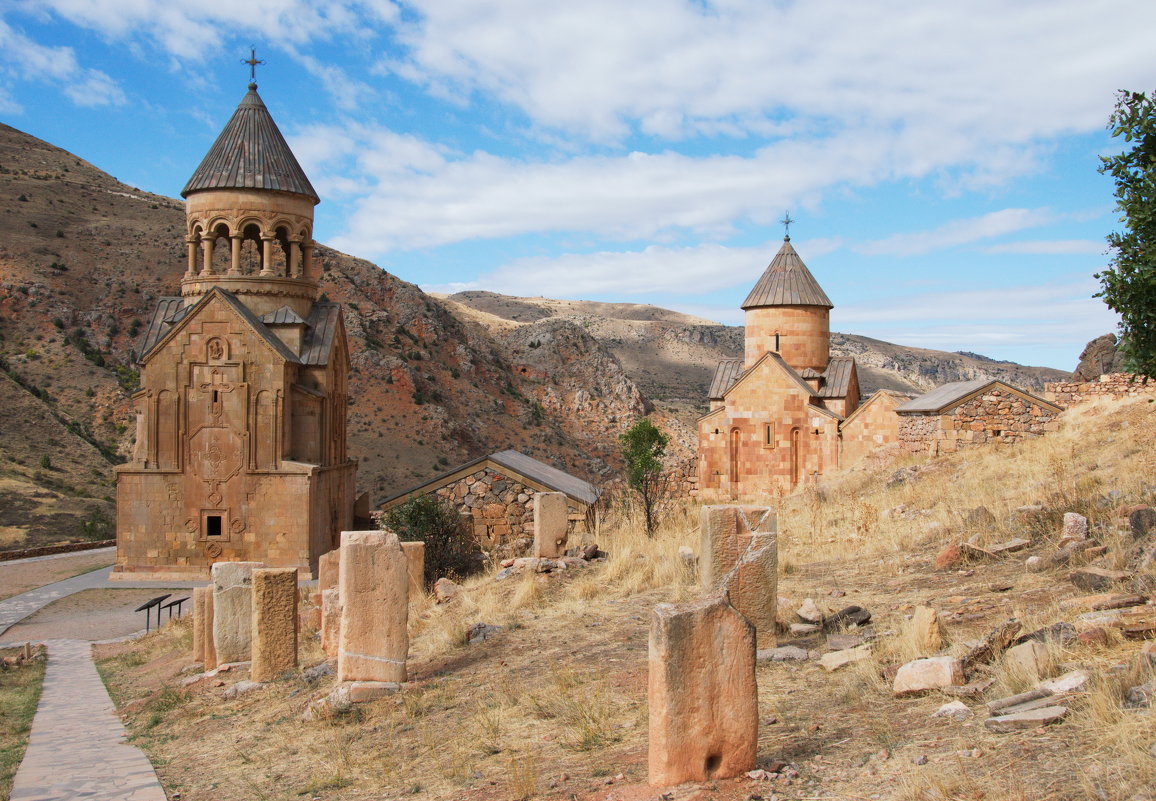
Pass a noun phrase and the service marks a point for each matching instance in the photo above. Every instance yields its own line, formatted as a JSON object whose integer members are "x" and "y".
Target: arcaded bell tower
{"x": 788, "y": 313}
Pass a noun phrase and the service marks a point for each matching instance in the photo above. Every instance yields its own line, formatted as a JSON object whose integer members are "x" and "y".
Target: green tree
{"x": 642, "y": 448}
{"x": 1128, "y": 286}
{"x": 450, "y": 550}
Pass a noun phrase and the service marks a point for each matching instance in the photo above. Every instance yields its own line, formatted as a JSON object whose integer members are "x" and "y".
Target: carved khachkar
{"x": 241, "y": 445}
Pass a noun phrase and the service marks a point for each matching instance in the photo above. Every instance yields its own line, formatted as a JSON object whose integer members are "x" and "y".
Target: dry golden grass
{"x": 555, "y": 703}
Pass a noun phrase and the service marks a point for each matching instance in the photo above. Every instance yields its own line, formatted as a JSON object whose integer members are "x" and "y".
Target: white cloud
{"x": 1054, "y": 247}
{"x": 958, "y": 232}
{"x": 32, "y": 61}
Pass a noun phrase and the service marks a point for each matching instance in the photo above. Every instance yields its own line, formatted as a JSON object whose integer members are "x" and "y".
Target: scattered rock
{"x": 979, "y": 518}
{"x": 687, "y": 558}
{"x": 1011, "y": 546}
{"x": 1070, "y": 682}
{"x": 1075, "y": 529}
{"x": 949, "y": 557}
{"x": 591, "y": 552}
{"x": 480, "y": 632}
{"x": 809, "y": 612}
{"x": 849, "y": 616}
{"x": 926, "y": 630}
{"x": 993, "y": 644}
{"x": 1061, "y": 632}
{"x": 446, "y": 590}
{"x": 837, "y": 659}
{"x": 1005, "y": 724}
{"x": 1103, "y": 600}
{"x": 837, "y": 593}
{"x": 999, "y": 705}
{"x": 933, "y": 673}
{"x": 973, "y": 689}
{"x": 1097, "y": 579}
{"x": 317, "y": 672}
{"x": 919, "y": 760}
{"x": 241, "y": 688}
{"x": 956, "y": 710}
{"x": 784, "y": 653}
{"x": 1140, "y": 696}
{"x": 803, "y": 629}
{"x": 1136, "y": 621}
{"x": 1035, "y": 564}
{"x": 1031, "y": 659}
{"x": 1095, "y": 636}
{"x": 1142, "y": 522}
{"x": 841, "y": 642}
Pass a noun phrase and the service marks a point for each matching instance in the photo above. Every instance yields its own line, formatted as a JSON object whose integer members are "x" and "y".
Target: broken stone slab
{"x": 784, "y": 653}
{"x": 1071, "y": 682}
{"x": 233, "y": 610}
{"x": 361, "y": 692}
{"x": 480, "y": 632}
{"x": 834, "y": 660}
{"x": 1032, "y": 659}
{"x": 1005, "y": 724}
{"x": 1061, "y": 632}
{"x": 974, "y": 689}
{"x": 1103, "y": 600}
{"x": 702, "y": 693}
{"x": 1011, "y": 546}
{"x": 841, "y": 642}
{"x": 956, "y": 710}
{"x": 932, "y": 673}
{"x": 803, "y": 629}
{"x": 241, "y": 688}
{"x": 1028, "y": 706}
{"x": 1097, "y": 579}
{"x": 1135, "y": 622}
{"x": 992, "y": 645}
{"x": 1000, "y": 704}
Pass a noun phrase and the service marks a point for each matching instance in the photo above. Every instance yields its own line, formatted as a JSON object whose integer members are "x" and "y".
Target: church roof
{"x": 324, "y": 320}
{"x": 835, "y": 381}
{"x": 787, "y": 282}
{"x": 251, "y": 153}
{"x": 282, "y": 316}
{"x": 726, "y": 374}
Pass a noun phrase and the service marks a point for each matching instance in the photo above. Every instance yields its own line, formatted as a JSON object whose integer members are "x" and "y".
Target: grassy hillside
{"x": 554, "y": 705}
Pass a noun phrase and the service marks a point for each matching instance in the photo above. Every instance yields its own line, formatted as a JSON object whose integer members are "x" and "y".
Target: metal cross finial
{"x": 786, "y": 221}
{"x": 252, "y": 61}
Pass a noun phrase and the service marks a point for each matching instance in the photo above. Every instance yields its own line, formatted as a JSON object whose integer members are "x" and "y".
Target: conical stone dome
{"x": 787, "y": 282}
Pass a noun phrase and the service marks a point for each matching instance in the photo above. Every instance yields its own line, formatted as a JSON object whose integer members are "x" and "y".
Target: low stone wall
{"x": 47, "y": 550}
{"x": 995, "y": 416}
{"x": 1109, "y": 385}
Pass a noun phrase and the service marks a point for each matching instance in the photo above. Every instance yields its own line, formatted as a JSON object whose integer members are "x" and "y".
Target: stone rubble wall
{"x": 501, "y": 509}
{"x": 995, "y": 416}
{"x": 1110, "y": 385}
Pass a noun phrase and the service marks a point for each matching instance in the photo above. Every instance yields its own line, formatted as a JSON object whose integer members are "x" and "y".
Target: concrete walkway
{"x": 77, "y": 749}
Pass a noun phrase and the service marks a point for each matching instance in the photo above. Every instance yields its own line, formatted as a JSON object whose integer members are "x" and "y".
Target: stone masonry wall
{"x": 1110, "y": 385}
{"x": 501, "y": 509}
{"x": 995, "y": 416}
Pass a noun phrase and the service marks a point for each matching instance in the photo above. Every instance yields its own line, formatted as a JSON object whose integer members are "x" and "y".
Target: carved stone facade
{"x": 241, "y": 448}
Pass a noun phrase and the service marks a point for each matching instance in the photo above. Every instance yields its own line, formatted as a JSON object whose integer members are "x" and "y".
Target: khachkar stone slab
{"x": 374, "y": 597}
{"x": 202, "y": 625}
{"x": 551, "y": 524}
{"x": 210, "y": 647}
{"x": 739, "y": 554}
{"x": 233, "y": 610}
{"x": 330, "y": 622}
{"x": 415, "y": 564}
{"x": 327, "y": 567}
{"x": 274, "y": 622}
{"x": 704, "y": 721}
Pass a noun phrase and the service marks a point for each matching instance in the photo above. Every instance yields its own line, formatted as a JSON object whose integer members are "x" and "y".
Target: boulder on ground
{"x": 833, "y": 660}
{"x": 926, "y": 630}
{"x": 810, "y": 612}
{"x": 446, "y": 590}
{"x": 932, "y": 673}
{"x": 1031, "y": 659}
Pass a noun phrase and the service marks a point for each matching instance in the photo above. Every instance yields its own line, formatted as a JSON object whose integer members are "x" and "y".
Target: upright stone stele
{"x": 327, "y": 570}
{"x": 200, "y": 623}
{"x": 374, "y": 597}
{"x": 415, "y": 564}
{"x": 210, "y": 647}
{"x": 551, "y": 524}
{"x": 330, "y": 622}
{"x": 274, "y": 622}
{"x": 739, "y": 554}
{"x": 704, "y": 721}
{"x": 233, "y": 610}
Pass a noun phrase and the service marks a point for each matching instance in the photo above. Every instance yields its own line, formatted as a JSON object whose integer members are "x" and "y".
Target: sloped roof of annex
{"x": 946, "y": 397}
{"x": 765, "y": 361}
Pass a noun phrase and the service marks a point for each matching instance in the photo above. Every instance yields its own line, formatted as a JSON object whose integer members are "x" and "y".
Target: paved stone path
{"x": 77, "y": 748}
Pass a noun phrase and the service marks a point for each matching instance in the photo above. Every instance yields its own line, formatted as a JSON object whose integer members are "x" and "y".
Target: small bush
{"x": 450, "y": 549}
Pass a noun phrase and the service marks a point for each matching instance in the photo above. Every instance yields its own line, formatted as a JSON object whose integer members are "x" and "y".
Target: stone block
{"x": 1005, "y": 724}
{"x": 926, "y": 630}
{"x": 327, "y": 567}
{"x": 330, "y": 622}
{"x": 274, "y": 622}
{"x": 702, "y": 693}
{"x": 1031, "y": 659}
{"x": 202, "y": 626}
{"x": 551, "y": 524}
{"x": 210, "y": 652}
{"x": 928, "y": 674}
{"x": 415, "y": 567}
{"x": 374, "y": 587}
{"x": 233, "y": 610}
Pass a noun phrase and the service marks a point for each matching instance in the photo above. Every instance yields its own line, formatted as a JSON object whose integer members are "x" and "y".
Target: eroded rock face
{"x": 374, "y": 597}
{"x": 703, "y": 696}
{"x": 274, "y": 622}
{"x": 233, "y": 610}
{"x": 1098, "y": 357}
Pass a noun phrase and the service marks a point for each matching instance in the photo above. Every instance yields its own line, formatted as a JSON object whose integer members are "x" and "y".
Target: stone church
{"x": 241, "y": 416}
{"x": 788, "y": 411}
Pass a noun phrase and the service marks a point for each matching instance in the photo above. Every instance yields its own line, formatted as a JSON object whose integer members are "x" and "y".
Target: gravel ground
{"x": 22, "y": 576}
{"x": 90, "y": 615}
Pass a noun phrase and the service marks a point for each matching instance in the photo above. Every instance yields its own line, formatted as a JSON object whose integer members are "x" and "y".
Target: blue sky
{"x": 939, "y": 158}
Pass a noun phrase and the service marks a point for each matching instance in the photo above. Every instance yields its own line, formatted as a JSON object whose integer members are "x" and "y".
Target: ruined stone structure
{"x": 1108, "y": 385}
{"x": 240, "y": 448}
{"x": 497, "y": 493}
{"x": 777, "y": 416}
{"x": 968, "y": 413}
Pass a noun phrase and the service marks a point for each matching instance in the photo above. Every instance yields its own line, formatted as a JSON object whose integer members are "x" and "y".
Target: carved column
{"x": 294, "y": 265}
{"x": 191, "y": 246}
{"x": 207, "y": 253}
{"x": 307, "y": 257}
{"x": 235, "y": 254}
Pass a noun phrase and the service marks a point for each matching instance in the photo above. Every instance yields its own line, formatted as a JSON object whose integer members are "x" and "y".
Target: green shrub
{"x": 450, "y": 547}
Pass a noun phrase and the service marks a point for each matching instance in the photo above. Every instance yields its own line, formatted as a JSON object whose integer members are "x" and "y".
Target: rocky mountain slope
{"x": 435, "y": 381}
